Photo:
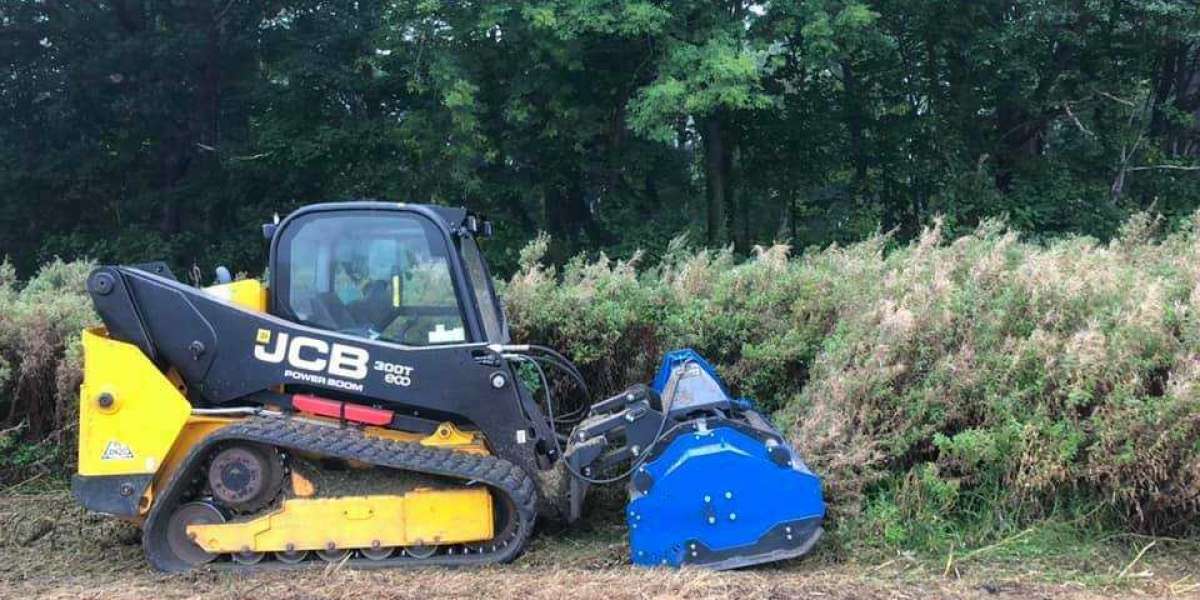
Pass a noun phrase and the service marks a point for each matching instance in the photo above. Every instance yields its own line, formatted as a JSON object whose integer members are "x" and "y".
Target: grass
{"x": 53, "y": 549}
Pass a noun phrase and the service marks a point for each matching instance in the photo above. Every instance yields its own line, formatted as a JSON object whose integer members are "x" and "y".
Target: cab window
{"x": 485, "y": 297}
{"x": 375, "y": 274}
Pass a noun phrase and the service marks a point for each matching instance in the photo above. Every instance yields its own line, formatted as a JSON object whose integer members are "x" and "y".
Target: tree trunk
{"x": 716, "y": 177}
{"x": 853, "y": 115}
{"x": 567, "y": 214}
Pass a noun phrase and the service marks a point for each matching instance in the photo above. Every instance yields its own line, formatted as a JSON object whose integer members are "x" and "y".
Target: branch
{"x": 1116, "y": 99}
{"x": 1067, "y": 106}
{"x": 1165, "y": 167}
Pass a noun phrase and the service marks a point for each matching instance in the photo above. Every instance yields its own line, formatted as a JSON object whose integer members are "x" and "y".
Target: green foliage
{"x": 948, "y": 391}
{"x": 41, "y": 363}
{"x": 136, "y": 131}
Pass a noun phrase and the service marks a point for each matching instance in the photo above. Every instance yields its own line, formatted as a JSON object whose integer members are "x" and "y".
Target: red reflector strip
{"x": 365, "y": 414}
{"x": 341, "y": 410}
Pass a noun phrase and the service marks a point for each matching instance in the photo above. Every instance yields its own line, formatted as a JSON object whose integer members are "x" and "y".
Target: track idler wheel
{"x": 178, "y": 540}
{"x": 245, "y": 477}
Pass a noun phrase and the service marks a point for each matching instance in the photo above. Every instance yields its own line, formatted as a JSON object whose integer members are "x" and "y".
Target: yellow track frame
{"x": 417, "y": 518}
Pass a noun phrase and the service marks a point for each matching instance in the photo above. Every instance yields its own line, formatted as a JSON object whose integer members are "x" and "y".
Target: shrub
{"x": 41, "y": 361}
{"x": 941, "y": 388}
{"x": 977, "y": 378}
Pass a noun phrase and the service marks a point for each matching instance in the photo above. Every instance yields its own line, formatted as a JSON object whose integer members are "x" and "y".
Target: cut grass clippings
{"x": 54, "y": 549}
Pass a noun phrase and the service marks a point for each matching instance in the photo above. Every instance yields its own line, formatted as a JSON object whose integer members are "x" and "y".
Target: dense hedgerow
{"x": 980, "y": 378}
{"x": 40, "y": 363}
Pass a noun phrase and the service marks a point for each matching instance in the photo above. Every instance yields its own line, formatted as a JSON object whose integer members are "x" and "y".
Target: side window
{"x": 373, "y": 274}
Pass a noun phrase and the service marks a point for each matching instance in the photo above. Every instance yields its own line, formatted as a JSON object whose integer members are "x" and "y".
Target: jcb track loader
{"x": 365, "y": 404}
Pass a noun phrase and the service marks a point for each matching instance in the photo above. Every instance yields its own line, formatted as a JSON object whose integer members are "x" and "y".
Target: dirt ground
{"x": 52, "y": 549}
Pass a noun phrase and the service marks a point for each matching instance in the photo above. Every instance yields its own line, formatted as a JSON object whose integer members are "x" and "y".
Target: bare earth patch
{"x": 53, "y": 549}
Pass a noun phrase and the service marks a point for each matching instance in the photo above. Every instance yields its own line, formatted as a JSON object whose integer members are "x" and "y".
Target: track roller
{"x": 247, "y": 557}
{"x": 291, "y": 557}
{"x": 377, "y": 552}
{"x": 333, "y": 555}
{"x": 421, "y": 551}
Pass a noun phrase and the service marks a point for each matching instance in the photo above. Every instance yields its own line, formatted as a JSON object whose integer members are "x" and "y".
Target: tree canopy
{"x": 133, "y": 130}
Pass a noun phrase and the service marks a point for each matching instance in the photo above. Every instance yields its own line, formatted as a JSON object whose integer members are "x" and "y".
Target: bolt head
{"x": 732, "y": 516}
{"x": 499, "y": 380}
{"x": 728, "y": 495}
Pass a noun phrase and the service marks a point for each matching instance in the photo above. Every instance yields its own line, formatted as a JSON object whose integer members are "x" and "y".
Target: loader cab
{"x": 401, "y": 273}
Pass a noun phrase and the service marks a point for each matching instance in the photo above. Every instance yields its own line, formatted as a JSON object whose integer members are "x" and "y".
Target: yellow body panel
{"x": 250, "y": 294}
{"x": 194, "y": 431}
{"x": 419, "y": 517}
{"x": 130, "y": 414}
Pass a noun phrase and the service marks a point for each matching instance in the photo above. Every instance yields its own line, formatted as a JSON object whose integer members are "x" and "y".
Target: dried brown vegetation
{"x": 981, "y": 381}
{"x": 949, "y": 391}
{"x": 52, "y": 549}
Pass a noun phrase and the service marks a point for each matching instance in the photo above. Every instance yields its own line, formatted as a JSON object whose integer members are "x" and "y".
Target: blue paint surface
{"x": 720, "y": 488}
{"x": 717, "y": 486}
{"x": 675, "y": 358}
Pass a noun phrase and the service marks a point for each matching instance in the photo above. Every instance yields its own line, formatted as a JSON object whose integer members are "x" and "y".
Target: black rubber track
{"x": 349, "y": 443}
